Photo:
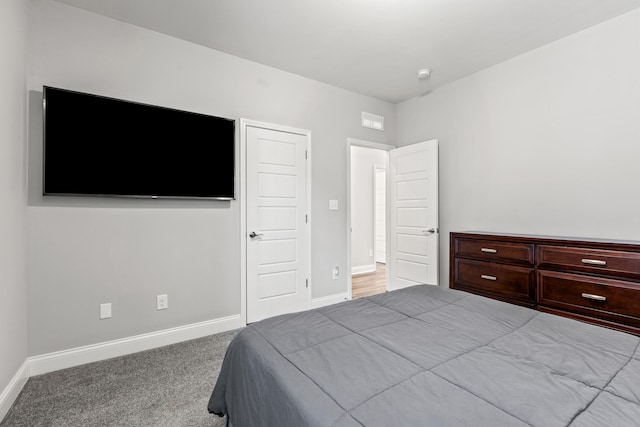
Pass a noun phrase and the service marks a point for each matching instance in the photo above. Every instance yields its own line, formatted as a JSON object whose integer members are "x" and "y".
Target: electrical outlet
{"x": 336, "y": 272}
{"x": 162, "y": 302}
{"x": 370, "y": 252}
{"x": 105, "y": 311}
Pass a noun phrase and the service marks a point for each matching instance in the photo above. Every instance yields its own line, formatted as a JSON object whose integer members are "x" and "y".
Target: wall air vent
{"x": 372, "y": 121}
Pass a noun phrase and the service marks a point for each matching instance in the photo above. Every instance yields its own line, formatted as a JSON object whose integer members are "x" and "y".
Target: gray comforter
{"x": 427, "y": 356}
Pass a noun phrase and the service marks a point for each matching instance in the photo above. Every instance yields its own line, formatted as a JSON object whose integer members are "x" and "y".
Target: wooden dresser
{"x": 596, "y": 281}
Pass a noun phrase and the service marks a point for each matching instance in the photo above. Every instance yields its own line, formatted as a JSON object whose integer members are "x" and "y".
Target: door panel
{"x": 413, "y": 174}
{"x": 274, "y": 185}
{"x": 412, "y": 190}
{"x": 414, "y": 271}
{"x": 271, "y": 218}
{"x": 380, "y": 216}
{"x": 277, "y": 258}
{"x": 277, "y": 153}
{"x": 278, "y": 284}
{"x": 408, "y": 243}
{"x": 410, "y": 161}
{"x": 412, "y": 217}
{"x": 277, "y": 251}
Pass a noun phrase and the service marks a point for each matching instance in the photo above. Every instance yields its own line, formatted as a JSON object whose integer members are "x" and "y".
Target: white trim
{"x": 120, "y": 347}
{"x": 243, "y": 219}
{"x": 50, "y": 362}
{"x": 367, "y": 144}
{"x": 13, "y": 389}
{"x": 363, "y": 269}
{"x": 244, "y": 123}
{"x": 329, "y": 300}
{"x": 309, "y": 218}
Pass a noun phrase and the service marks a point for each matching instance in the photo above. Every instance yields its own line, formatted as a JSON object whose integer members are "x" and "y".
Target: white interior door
{"x": 277, "y": 231}
{"x": 413, "y": 208}
{"x": 380, "y": 214}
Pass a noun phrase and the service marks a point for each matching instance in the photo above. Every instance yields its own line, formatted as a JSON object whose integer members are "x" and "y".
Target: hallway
{"x": 367, "y": 284}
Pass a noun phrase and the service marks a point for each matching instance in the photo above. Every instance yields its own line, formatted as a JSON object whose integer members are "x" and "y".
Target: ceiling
{"x": 373, "y": 47}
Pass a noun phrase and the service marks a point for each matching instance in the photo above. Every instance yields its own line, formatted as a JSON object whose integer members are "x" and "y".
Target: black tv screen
{"x": 99, "y": 146}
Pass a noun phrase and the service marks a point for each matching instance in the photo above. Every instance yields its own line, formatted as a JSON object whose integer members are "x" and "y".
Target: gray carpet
{"x": 167, "y": 386}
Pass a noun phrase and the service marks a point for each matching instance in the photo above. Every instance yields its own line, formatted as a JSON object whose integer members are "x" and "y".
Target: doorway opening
{"x": 411, "y": 232}
{"x": 368, "y": 163}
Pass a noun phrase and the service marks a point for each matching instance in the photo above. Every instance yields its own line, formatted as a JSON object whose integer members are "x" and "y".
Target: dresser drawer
{"x": 594, "y": 261}
{"x": 505, "y": 282}
{"x": 609, "y": 299}
{"x": 519, "y": 253}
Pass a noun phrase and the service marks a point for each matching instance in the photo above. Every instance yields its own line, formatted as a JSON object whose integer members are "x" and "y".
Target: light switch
{"x": 333, "y": 205}
{"x": 105, "y": 311}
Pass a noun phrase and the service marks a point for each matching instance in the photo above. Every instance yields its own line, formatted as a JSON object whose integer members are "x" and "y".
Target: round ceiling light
{"x": 424, "y": 73}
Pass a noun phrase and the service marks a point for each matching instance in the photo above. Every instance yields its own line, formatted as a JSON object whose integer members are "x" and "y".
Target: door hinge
{"x": 306, "y": 154}
{"x": 306, "y": 219}
{"x": 306, "y": 282}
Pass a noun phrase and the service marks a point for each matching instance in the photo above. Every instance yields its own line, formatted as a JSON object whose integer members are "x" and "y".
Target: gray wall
{"x": 362, "y": 203}
{"x": 546, "y": 143}
{"x": 13, "y": 287}
{"x": 84, "y": 251}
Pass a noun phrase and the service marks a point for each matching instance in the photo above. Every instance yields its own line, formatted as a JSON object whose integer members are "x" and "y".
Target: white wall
{"x": 545, "y": 143}
{"x": 362, "y": 203}
{"x": 13, "y": 287}
{"x": 84, "y": 251}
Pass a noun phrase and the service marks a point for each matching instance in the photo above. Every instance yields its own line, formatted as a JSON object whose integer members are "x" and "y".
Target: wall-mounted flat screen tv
{"x": 99, "y": 146}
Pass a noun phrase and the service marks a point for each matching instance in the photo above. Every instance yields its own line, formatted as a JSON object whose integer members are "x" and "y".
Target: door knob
{"x": 429, "y": 231}
{"x": 253, "y": 234}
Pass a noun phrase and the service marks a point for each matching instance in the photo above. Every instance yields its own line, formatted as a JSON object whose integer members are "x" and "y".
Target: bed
{"x": 428, "y": 356}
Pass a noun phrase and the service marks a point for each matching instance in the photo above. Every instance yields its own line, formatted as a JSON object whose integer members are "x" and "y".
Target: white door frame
{"x": 377, "y": 168}
{"x": 367, "y": 144}
{"x": 242, "y": 186}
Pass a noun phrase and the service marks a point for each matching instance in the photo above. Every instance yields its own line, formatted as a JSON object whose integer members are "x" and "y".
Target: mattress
{"x": 428, "y": 356}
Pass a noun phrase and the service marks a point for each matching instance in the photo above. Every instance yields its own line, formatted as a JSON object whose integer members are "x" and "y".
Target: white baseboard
{"x": 12, "y": 390}
{"x": 362, "y": 269}
{"x": 328, "y": 300}
{"x": 106, "y": 350}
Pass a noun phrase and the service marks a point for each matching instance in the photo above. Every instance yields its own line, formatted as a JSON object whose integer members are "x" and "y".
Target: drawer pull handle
{"x": 594, "y": 262}
{"x": 594, "y": 297}
{"x": 485, "y": 277}
{"x": 489, "y": 251}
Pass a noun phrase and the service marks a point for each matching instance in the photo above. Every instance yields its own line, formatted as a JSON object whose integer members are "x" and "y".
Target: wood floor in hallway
{"x": 367, "y": 284}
